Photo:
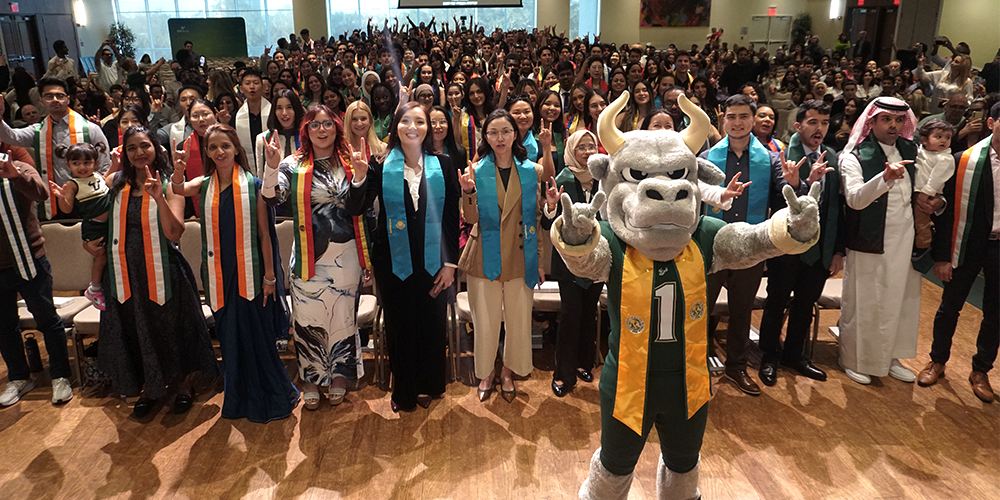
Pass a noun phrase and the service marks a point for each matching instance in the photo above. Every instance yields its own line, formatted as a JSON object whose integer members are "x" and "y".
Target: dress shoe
{"x": 396, "y": 408}
{"x": 485, "y": 394}
{"x": 743, "y": 381}
{"x": 805, "y": 368}
{"x": 560, "y": 390}
{"x": 900, "y": 372}
{"x": 510, "y": 395}
{"x": 768, "y": 373}
{"x": 981, "y": 386}
{"x": 584, "y": 375}
{"x": 930, "y": 374}
{"x": 183, "y": 403}
{"x": 142, "y": 407}
{"x": 424, "y": 401}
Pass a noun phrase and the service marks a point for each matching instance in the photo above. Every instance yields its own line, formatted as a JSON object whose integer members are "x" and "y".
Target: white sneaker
{"x": 900, "y": 372}
{"x": 15, "y": 389}
{"x": 62, "y": 391}
{"x": 860, "y": 378}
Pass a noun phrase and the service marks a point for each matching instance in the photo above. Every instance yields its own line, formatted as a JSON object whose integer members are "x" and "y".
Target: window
{"x": 584, "y": 18}
{"x": 266, "y": 21}
{"x": 348, "y": 15}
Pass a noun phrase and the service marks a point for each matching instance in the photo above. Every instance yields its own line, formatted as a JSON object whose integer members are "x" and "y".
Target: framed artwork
{"x": 674, "y": 13}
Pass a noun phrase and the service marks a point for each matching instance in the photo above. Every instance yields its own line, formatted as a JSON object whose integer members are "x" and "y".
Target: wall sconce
{"x": 836, "y": 6}
{"x": 80, "y": 13}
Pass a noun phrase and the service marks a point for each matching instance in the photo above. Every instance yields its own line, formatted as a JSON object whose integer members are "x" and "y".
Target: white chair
{"x": 71, "y": 266}
{"x": 830, "y": 299}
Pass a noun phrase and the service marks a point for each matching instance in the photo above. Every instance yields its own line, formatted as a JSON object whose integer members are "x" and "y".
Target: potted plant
{"x": 123, "y": 38}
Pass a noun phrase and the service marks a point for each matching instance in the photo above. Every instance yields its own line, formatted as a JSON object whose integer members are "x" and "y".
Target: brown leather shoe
{"x": 743, "y": 381}
{"x": 981, "y": 386}
{"x": 930, "y": 374}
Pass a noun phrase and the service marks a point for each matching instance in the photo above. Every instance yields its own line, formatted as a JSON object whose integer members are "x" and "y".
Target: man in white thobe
{"x": 880, "y": 315}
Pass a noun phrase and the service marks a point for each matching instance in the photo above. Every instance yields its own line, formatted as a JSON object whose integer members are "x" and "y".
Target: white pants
{"x": 495, "y": 301}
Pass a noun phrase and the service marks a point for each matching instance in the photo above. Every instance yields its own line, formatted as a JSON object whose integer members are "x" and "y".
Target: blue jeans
{"x": 37, "y": 295}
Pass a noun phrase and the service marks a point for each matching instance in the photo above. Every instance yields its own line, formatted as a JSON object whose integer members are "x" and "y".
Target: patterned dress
{"x": 324, "y": 307}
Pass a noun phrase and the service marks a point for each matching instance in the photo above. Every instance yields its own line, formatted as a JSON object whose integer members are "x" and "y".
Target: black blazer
{"x": 362, "y": 198}
{"x": 982, "y": 216}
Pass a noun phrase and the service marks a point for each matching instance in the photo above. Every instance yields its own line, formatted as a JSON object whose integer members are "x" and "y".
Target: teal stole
{"x": 489, "y": 217}
{"x": 393, "y": 195}
{"x": 531, "y": 145}
{"x": 760, "y": 176}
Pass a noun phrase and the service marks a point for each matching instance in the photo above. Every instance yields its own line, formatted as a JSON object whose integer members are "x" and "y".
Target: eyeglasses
{"x": 200, "y": 116}
{"x": 48, "y": 96}
{"x": 326, "y": 125}
{"x": 435, "y": 123}
{"x": 493, "y": 134}
{"x": 586, "y": 148}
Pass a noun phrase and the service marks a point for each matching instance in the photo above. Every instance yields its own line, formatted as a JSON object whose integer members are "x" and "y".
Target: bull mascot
{"x": 654, "y": 249}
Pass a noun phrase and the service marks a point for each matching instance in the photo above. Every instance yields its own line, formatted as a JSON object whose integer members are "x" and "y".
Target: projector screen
{"x": 444, "y": 4}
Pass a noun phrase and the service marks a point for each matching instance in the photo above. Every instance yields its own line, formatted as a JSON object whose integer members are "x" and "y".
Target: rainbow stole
{"x": 760, "y": 176}
{"x": 247, "y": 257}
{"x": 155, "y": 249}
{"x": 395, "y": 214}
{"x": 303, "y": 250}
{"x": 968, "y": 175}
{"x": 468, "y": 133}
{"x": 45, "y": 151}
{"x": 20, "y": 247}
{"x": 489, "y": 217}
{"x": 636, "y": 334}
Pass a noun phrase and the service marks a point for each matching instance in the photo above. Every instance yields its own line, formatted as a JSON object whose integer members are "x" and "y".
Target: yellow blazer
{"x": 511, "y": 222}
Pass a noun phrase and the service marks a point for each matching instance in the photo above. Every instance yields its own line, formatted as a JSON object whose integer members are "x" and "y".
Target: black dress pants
{"x": 953, "y": 298}
{"x": 576, "y": 337}
{"x": 741, "y": 285}
{"x": 787, "y": 274}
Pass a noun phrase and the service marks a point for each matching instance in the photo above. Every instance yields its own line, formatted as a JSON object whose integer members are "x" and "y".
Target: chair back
{"x": 190, "y": 246}
{"x": 70, "y": 263}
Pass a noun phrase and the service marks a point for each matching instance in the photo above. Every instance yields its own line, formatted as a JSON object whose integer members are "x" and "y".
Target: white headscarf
{"x": 581, "y": 171}
{"x": 364, "y": 93}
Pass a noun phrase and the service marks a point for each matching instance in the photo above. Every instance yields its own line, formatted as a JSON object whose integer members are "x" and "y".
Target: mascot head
{"x": 651, "y": 181}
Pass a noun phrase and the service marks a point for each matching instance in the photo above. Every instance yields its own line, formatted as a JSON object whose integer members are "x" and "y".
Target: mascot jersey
{"x": 665, "y": 327}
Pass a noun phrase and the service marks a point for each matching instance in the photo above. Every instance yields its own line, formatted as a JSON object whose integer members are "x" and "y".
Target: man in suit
{"x": 966, "y": 242}
{"x": 808, "y": 161}
{"x": 253, "y": 114}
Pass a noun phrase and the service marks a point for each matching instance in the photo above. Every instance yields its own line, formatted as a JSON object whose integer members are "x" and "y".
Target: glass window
{"x": 348, "y": 15}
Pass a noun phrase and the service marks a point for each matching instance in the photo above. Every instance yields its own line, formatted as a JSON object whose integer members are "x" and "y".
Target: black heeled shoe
{"x": 584, "y": 375}
{"x": 485, "y": 394}
{"x": 142, "y": 407}
{"x": 396, "y": 408}
{"x": 559, "y": 390}
{"x": 424, "y": 401}
{"x": 508, "y": 396}
{"x": 183, "y": 403}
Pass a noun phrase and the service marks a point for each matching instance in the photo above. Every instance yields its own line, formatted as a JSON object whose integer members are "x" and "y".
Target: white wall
{"x": 553, "y": 13}
{"x": 100, "y": 15}
{"x": 974, "y": 22}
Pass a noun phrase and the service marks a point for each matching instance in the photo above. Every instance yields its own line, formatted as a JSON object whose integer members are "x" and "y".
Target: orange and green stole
{"x": 968, "y": 176}
{"x": 300, "y": 183}
{"x": 247, "y": 257}
{"x": 662, "y": 320}
{"x": 154, "y": 244}
{"x": 45, "y": 152}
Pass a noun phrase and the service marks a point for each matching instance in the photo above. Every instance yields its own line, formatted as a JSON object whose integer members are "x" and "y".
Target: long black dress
{"x": 145, "y": 346}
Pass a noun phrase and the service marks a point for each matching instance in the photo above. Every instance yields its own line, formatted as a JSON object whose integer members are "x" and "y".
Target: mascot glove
{"x": 781, "y": 238}
{"x": 575, "y": 250}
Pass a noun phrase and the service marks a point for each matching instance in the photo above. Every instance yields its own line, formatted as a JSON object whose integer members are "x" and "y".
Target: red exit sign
{"x": 14, "y": 7}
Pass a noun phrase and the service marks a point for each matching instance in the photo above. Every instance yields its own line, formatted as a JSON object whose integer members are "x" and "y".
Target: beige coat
{"x": 511, "y": 222}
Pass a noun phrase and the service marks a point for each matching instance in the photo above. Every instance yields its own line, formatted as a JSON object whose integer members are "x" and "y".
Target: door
{"x": 54, "y": 27}
{"x": 770, "y": 31}
{"x": 20, "y": 43}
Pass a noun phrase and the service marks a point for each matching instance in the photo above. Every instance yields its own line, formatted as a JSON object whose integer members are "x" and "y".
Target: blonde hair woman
{"x": 358, "y": 124}
{"x": 953, "y": 78}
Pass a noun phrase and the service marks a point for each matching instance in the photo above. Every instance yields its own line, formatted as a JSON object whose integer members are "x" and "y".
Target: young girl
{"x": 241, "y": 271}
{"x": 87, "y": 191}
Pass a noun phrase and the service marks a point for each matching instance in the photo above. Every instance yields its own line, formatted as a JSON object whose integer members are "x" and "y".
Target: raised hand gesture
{"x": 579, "y": 219}
{"x": 181, "y": 157}
{"x": 272, "y": 152}
{"x": 468, "y": 179}
{"x": 734, "y": 188}
{"x": 895, "y": 171}
{"x": 7, "y": 168}
{"x": 54, "y": 188}
{"x": 818, "y": 169}
{"x": 790, "y": 169}
{"x": 156, "y": 105}
{"x": 552, "y": 195}
{"x": 223, "y": 115}
{"x": 803, "y": 213}
{"x": 153, "y": 185}
{"x": 359, "y": 164}
{"x": 116, "y": 160}
{"x": 545, "y": 134}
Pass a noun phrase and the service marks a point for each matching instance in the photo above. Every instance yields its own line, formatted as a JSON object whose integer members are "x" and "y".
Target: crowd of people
{"x": 417, "y": 154}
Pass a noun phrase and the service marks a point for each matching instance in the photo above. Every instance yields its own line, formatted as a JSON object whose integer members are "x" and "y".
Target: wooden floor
{"x": 800, "y": 439}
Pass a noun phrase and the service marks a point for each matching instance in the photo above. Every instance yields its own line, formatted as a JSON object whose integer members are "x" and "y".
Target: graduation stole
{"x": 247, "y": 259}
{"x": 531, "y": 145}
{"x": 303, "y": 250}
{"x": 635, "y": 335}
{"x": 194, "y": 168}
{"x": 393, "y": 197}
{"x": 572, "y": 123}
{"x": 968, "y": 176}
{"x": 20, "y": 247}
{"x": 270, "y": 134}
{"x": 154, "y": 244}
{"x": 45, "y": 151}
{"x": 469, "y": 132}
{"x": 489, "y": 217}
{"x": 775, "y": 145}
{"x": 760, "y": 175}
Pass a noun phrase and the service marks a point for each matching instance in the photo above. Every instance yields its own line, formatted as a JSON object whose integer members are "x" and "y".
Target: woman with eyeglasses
{"x": 502, "y": 197}
{"x": 327, "y": 254}
{"x": 414, "y": 251}
{"x": 577, "y": 333}
{"x": 201, "y": 115}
